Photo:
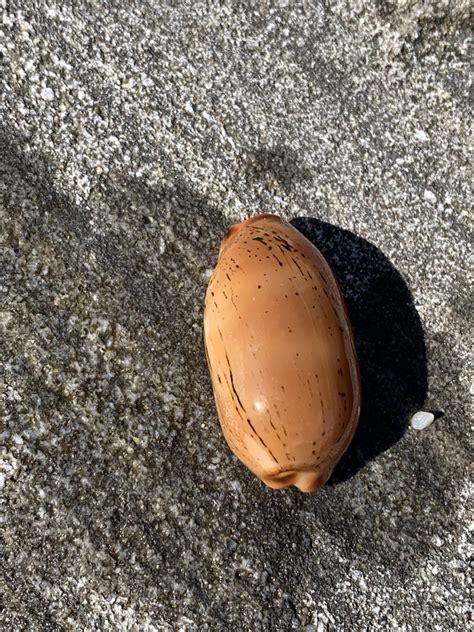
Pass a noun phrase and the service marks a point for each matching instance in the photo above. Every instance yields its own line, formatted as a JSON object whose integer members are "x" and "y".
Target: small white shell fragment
{"x": 421, "y": 420}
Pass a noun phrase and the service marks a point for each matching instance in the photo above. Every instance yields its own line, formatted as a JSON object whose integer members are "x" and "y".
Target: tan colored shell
{"x": 281, "y": 355}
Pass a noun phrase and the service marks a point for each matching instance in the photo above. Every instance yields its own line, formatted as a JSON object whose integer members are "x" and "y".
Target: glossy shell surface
{"x": 281, "y": 354}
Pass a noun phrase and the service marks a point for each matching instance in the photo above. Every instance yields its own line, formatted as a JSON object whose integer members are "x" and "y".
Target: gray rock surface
{"x": 134, "y": 133}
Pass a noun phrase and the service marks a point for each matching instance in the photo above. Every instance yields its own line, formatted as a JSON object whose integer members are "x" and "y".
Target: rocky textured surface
{"x": 133, "y": 134}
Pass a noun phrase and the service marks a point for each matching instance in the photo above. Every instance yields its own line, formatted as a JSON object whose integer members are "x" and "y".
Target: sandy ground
{"x": 133, "y": 134}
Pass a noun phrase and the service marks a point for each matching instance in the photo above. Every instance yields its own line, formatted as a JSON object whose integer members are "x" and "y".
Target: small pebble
{"x": 429, "y": 196}
{"x": 421, "y": 136}
{"x": 5, "y": 319}
{"x": 421, "y": 420}
{"x": 47, "y": 94}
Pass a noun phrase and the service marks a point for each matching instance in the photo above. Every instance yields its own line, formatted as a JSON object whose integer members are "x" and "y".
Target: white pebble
{"x": 429, "y": 196}
{"x": 5, "y": 318}
{"x": 161, "y": 245}
{"x": 47, "y": 94}
{"x": 421, "y": 136}
{"x": 421, "y": 420}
